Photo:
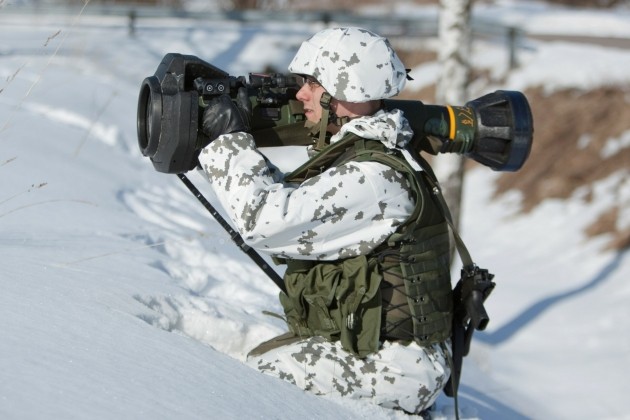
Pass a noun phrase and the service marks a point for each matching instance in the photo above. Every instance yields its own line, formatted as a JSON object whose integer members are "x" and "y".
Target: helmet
{"x": 352, "y": 64}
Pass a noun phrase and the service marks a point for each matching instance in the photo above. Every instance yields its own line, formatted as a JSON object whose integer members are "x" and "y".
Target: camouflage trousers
{"x": 398, "y": 376}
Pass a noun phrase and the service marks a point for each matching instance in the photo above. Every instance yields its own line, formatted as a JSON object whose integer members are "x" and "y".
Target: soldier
{"x": 369, "y": 300}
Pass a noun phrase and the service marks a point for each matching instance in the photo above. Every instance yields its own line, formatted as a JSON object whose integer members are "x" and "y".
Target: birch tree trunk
{"x": 454, "y": 57}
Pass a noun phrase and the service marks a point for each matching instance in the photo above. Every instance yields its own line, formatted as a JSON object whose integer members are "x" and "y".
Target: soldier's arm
{"x": 345, "y": 211}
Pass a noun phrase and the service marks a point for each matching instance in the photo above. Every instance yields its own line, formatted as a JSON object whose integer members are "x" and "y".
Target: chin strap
{"x": 319, "y": 130}
{"x": 324, "y": 101}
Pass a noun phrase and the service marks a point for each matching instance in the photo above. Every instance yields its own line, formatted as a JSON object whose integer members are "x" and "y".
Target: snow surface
{"x": 122, "y": 298}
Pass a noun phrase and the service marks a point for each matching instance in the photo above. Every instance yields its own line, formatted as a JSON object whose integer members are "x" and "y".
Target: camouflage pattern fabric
{"x": 343, "y": 60}
{"x": 399, "y": 376}
{"x": 346, "y": 211}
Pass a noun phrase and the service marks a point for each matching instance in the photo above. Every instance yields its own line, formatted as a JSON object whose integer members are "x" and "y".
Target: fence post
{"x": 132, "y": 22}
{"x": 512, "y": 46}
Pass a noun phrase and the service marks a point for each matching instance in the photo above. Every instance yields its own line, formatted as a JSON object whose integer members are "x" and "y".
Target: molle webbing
{"x": 402, "y": 291}
{"x": 420, "y": 304}
{"x": 416, "y": 287}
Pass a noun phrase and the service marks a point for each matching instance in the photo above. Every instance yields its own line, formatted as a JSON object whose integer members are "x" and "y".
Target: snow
{"x": 545, "y": 19}
{"x": 122, "y": 298}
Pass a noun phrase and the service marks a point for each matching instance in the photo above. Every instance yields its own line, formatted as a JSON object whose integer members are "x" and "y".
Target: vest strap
{"x": 467, "y": 261}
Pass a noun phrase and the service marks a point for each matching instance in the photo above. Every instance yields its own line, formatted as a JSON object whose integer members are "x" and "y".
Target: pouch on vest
{"x": 339, "y": 300}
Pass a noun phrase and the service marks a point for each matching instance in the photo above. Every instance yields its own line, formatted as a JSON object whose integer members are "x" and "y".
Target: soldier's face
{"x": 309, "y": 94}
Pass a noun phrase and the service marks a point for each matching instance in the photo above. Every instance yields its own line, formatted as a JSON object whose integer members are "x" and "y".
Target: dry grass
{"x": 572, "y": 128}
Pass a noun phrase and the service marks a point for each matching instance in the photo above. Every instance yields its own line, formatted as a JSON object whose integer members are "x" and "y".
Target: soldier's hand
{"x": 223, "y": 116}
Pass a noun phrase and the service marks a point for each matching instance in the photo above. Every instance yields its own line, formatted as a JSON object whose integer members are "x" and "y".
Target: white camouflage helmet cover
{"x": 352, "y": 64}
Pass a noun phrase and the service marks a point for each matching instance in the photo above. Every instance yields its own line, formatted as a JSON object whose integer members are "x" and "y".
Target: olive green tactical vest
{"x": 401, "y": 291}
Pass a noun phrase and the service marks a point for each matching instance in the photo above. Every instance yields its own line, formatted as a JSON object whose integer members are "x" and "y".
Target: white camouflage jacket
{"x": 345, "y": 211}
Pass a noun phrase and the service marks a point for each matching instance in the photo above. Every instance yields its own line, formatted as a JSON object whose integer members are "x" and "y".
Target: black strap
{"x": 238, "y": 239}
